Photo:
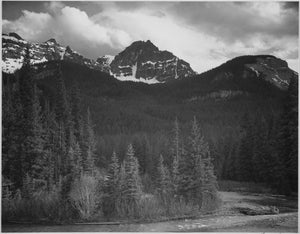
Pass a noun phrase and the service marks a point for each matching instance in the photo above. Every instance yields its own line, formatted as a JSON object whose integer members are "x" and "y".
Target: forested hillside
{"x": 140, "y": 151}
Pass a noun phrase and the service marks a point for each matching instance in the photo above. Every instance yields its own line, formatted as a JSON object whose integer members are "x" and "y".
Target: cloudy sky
{"x": 205, "y": 34}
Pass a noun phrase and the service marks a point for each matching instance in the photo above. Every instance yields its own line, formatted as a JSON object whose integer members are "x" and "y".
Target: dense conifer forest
{"x": 79, "y": 145}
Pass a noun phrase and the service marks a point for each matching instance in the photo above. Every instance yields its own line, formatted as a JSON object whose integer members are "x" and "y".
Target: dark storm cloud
{"x": 12, "y": 10}
{"x": 233, "y": 21}
{"x": 291, "y": 5}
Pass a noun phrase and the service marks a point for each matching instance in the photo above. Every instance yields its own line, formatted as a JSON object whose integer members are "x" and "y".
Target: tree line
{"x": 49, "y": 147}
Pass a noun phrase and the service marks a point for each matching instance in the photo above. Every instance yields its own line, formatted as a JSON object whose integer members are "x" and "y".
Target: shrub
{"x": 42, "y": 205}
{"x": 85, "y": 196}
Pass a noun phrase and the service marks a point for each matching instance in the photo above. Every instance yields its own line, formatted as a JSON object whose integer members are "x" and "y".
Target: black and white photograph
{"x": 150, "y": 116}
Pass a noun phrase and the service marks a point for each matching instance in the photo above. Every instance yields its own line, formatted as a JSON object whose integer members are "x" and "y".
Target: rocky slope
{"x": 143, "y": 61}
{"x": 13, "y": 51}
{"x": 267, "y": 67}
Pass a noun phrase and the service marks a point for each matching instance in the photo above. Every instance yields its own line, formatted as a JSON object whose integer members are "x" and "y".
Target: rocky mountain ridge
{"x": 14, "y": 46}
{"x": 142, "y": 61}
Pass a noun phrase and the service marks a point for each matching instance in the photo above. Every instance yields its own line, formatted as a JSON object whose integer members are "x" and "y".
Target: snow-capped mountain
{"x": 143, "y": 61}
{"x": 14, "y": 47}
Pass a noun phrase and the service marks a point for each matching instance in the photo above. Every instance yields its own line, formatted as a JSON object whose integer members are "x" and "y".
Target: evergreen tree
{"x": 131, "y": 190}
{"x": 62, "y": 113}
{"x": 209, "y": 184}
{"x": 111, "y": 185}
{"x": 90, "y": 144}
{"x": 164, "y": 184}
{"x": 49, "y": 160}
{"x": 175, "y": 150}
{"x": 12, "y": 133}
{"x": 163, "y": 178}
{"x": 192, "y": 166}
{"x": 31, "y": 132}
{"x": 246, "y": 150}
{"x": 76, "y": 112}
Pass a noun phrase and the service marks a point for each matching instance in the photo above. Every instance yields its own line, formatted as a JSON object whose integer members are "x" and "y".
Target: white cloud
{"x": 70, "y": 26}
{"x": 203, "y": 39}
{"x": 30, "y": 25}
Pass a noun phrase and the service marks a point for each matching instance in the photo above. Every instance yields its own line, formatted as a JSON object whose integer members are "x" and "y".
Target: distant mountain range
{"x": 143, "y": 62}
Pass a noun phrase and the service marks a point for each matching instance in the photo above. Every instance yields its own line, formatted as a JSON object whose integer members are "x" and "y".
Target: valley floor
{"x": 226, "y": 220}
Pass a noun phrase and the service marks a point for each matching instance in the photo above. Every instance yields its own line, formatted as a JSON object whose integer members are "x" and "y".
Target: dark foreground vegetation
{"x": 139, "y": 162}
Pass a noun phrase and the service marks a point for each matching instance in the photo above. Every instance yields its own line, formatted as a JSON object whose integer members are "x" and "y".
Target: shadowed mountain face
{"x": 141, "y": 61}
{"x": 144, "y": 61}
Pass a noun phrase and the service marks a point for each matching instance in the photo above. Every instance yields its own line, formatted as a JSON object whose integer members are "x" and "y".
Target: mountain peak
{"x": 267, "y": 67}
{"x": 15, "y": 35}
{"x": 142, "y": 45}
{"x": 142, "y": 61}
{"x": 52, "y": 41}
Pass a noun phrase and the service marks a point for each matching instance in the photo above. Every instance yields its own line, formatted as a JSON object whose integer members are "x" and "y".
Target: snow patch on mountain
{"x": 109, "y": 58}
{"x": 10, "y": 65}
{"x": 34, "y": 61}
{"x": 132, "y": 77}
{"x": 6, "y": 37}
{"x": 253, "y": 69}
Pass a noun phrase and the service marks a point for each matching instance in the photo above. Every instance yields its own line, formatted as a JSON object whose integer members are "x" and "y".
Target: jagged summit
{"x": 15, "y": 35}
{"x": 52, "y": 40}
{"x": 13, "y": 50}
{"x": 143, "y": 61}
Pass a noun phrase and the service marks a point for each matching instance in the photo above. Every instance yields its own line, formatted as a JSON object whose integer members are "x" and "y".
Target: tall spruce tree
{"x": 176, "y": 154}
{"x": 62, "y": 113}
{"x": 164, "y": 184}
{"x": 245, "y": 170}
{"x": 192, "y": 166}
{"x": 132, "y": 187}
{"x": 76, "y": 112}
{"x": 90, "y": 144}
{"x": 163, "y": 178}
{"x": 111, "y": 185}
{"x": 31, "y": 132}
{"x": 11, "y": 133}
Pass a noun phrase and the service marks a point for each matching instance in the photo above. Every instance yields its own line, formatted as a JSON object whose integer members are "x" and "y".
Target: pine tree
{"x": 50, "y": 132}
{"x": 164, "y": 185}
{"x": 111, "y": 185}
{"x": 62, "y": 113}
{"x": 76, "y": 112}
{"x": 90, "y": 144}
{"x": 175, "y": 150}
{"x": 163, "y": 178}
{"x": 11, "y": 133}
{"x": 131, "y": 190}
{"x": 246, "y": 150}
{"x": 31, "y": 133}
{"x": 209, "y": 184}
